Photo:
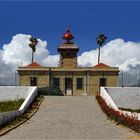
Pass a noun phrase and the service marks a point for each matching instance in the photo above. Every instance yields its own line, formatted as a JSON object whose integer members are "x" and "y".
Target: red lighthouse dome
{"x": 68, "y": 37}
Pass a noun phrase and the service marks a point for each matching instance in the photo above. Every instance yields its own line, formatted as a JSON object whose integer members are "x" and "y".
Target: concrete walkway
{"x": 69, "y": 118}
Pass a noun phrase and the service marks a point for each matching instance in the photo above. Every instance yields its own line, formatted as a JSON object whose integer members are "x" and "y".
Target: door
{"x": 68, "y": 86}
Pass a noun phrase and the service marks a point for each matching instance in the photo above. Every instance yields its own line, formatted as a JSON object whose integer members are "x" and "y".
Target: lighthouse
{"x": 68, "y": 51}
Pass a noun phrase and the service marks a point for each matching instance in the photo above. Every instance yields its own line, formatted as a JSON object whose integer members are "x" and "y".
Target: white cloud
{"x": 18, "y": 52}
{"x": 51, "y": 61}
{"x": 124, "y": 55}
{"x": 115, "y": 53}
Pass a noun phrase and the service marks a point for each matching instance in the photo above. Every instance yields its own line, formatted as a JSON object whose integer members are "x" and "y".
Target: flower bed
{"x": 119, "y": 117}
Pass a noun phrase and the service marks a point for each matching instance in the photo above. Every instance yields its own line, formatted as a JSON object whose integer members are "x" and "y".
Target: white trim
{"x": 29, "y": 99}
{"x": 111, "y": 103}
{"x": 107, "y": 98}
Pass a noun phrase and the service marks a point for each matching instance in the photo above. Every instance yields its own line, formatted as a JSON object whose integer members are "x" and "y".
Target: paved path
{"x": 77, "y": 117}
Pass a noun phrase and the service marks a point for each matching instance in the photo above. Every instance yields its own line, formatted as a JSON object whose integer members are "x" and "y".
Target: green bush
{"x": 50, "y": 90}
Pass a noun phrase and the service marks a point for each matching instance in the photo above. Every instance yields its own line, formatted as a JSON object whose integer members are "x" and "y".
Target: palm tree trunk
{"x": 99, "y": 54}
{"x": 32, "y": 56}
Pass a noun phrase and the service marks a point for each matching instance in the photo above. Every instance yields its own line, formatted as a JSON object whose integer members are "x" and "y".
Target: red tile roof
{"x": 34, "y": 64}
{"x": 101, "y": 66}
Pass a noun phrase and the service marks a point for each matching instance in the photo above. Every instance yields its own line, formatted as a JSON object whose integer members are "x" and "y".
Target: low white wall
{"x": 14, "y": 92}
{"x": 104, "y": 94}
{"x": 5, "y": 117}
{"x": 107, "y": 98}
{"x": 125, "y": 97}
{"x": 30, "y": 98}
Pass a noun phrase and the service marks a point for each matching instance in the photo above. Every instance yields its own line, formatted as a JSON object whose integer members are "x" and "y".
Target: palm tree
{"x": 33, "y": 46}
{"x": 100, "y": 40}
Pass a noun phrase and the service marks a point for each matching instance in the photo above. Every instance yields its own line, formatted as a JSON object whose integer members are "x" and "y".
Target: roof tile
{"x": 34, "y": 64}
{"x": 101, "y": 65}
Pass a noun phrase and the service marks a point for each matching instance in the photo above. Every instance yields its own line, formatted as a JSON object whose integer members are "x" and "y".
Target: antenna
{"x": 21, "y": 62}
{"x": 122, "y": 78}
{"x": 69, "y": 27}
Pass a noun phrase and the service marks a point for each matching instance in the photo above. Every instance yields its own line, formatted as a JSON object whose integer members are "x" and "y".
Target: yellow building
{"x": 68, "y": 76}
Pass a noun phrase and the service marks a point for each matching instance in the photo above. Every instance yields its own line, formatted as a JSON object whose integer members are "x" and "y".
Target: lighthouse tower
{"x": 68, "y": 51}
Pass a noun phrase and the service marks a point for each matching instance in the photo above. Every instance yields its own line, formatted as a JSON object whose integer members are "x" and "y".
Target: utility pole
{"x": 122, "y": 79}
{"x": 137, "y": 78}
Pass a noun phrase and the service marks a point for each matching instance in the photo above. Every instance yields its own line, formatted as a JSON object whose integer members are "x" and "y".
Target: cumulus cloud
{"x": 17, "y": 53}
{"x": 115, "y": 53}
{"x": 118, "y": 53}
{"x": 124, "y": 55}
{"x": 51, "y": 61}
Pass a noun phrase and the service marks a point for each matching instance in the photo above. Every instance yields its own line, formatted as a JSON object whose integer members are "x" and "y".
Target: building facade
{"x": 68, "y": 76}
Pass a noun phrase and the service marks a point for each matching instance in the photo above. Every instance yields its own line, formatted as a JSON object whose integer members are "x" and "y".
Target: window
{"x": 79, "y": 83}
{"x": 56, "y": 82}
{"x": 103, "y": 82}
{"x": 68, "y": 54}
{"x": 33, "y": 81}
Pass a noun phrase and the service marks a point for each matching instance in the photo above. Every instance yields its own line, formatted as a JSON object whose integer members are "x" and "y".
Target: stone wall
{"x": 42, "y": 79}
{"x": 74, "y": 79}
{"x": 112, "y": 81}
{"x": 90, "y": 79}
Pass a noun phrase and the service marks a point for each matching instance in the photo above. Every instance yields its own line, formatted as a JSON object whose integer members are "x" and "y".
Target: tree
{"x": 33, "y": 46}
{"x": 100, "y": 40}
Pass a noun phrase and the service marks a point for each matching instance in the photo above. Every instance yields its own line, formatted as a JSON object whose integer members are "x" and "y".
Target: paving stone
{"x": 69, "y": 117}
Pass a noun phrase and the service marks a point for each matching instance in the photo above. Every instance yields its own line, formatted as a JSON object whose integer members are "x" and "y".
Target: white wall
{"x": 107, "y": 98}
{"x": 110, "y": 102}
{"x": 28, "y": 92}
{"x": 29, "y": 99}
{"x": 6, "y": 117}
{"x": 14, "y": 92}
{"x": 125, "y": 97}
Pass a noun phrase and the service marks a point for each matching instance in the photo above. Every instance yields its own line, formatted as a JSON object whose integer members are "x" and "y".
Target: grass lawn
{"x": 24, "y": 117}
{"x": 10, "y": 105}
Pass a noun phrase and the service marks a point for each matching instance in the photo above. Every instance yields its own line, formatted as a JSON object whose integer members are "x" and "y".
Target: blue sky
{"x": 48, "y": 21}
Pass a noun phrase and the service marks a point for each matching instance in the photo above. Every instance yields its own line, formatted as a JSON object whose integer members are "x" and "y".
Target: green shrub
{"x": 50, "y": 90}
